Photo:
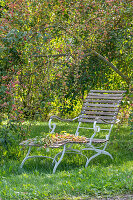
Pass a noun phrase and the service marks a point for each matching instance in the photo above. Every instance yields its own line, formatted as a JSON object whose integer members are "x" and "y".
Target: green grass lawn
{"x": 103, "y": 177}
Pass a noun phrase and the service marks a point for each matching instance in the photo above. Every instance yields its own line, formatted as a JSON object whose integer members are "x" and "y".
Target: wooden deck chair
{"x": 99, "y": 107}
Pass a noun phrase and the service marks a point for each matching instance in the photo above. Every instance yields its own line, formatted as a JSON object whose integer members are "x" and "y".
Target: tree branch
{"x": 112, "y": 66}
{"x": 126, "y": 78}
{"x": 51, "y": 56}
{"x": 60, "y": 55}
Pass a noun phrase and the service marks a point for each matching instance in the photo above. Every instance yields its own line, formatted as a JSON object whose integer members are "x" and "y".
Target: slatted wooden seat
{"x": 99, "y": 107}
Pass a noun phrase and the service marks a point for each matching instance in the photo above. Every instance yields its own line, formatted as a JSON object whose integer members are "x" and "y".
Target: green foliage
{"x": 130, "y": 120}
{"x": 11, "y": 133}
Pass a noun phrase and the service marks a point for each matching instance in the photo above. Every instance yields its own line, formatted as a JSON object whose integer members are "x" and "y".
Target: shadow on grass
{"x": 72, "y": 162}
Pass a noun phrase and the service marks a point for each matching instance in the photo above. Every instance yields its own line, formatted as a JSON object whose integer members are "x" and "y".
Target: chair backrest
{"x": 103, "y": 104}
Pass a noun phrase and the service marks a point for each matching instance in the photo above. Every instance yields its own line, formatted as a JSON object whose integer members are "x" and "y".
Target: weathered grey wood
{"x": 61, "y": 143}
{"x": 98, "y": 140}
{"x": 109, "y": 91}
{"x": 32, "y": 143}
{"x": 28, "y": 143}
{"x": 101, "y": 101}
{"x": 57, "y": 145}
{"x": 88, "y": 140}
{"x": 103, "y": 97}
{"x": 102, "y": 109}
{"x": 101, "y": 105}
{"x": 94, "y": 117}
{"x": 99, "y": 121}
{"x": 99, "y": 113}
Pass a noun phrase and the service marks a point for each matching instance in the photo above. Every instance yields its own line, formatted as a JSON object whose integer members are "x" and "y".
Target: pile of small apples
{"x": 47, "y": 140}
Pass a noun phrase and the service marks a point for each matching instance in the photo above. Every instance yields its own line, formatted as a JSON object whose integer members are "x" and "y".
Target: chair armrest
{"x": 65, "y": 120}
{"x": 56, "y": 117}
{"x": 117, "y": 121}
{"x": 105, "y": 121}
{"x": 97, "y": 128}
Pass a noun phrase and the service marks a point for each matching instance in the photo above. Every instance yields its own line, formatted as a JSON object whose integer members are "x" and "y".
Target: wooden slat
{"x": 99, "y": 121}
{"x": 98, "y": 140}
{"x": 102, "y": 109}
{"x": 101, "y": 101}
{"x": 95, "y": 140}
{"x": 101, "y": 105}
{"x": 54, "y": 145}
{"x": 103, "y": 97}
{"x": 57, "y": 145}
{"x": 109, "y": 91}
{"x": 94, "y": 117}
{"x": 99, "y": 113}
{"x": 28, "y": 143}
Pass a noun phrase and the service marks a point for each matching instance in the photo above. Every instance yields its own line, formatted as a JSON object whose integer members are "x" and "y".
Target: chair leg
{"x": 36, "y": 156}
{"x": 86, "y": 165}
{"x": 57, "y": 163}
{"x": 107, "y": 153}
{"x": 27, "y": 156}
{"x": 54, "y": 159}
{"x": 97, "y": 154}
